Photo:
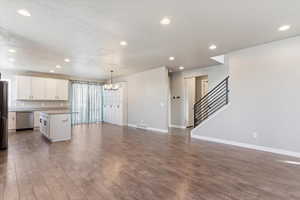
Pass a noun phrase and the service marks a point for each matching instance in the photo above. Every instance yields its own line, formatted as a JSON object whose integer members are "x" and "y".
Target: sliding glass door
{"x": 86, "y": 102}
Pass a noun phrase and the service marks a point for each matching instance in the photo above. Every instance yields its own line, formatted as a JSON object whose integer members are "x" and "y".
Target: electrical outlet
{"x": 254, "y": 134}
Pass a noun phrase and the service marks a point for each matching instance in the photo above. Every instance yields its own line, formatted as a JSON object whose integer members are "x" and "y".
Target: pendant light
{"x": 110, "y": 85}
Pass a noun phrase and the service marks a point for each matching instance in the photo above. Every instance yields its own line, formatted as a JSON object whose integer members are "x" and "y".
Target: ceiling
{"x": 89, "y": 33}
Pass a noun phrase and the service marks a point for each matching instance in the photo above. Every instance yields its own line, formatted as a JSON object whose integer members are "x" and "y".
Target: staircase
{"x": 211, "y": 102}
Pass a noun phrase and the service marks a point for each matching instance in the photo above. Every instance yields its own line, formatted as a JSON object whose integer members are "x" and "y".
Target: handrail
{"x": 225, "y": 80}
{"x": 211, "y": 102}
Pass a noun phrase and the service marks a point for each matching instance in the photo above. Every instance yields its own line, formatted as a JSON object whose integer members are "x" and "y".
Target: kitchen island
{"x": 56, "y": 125}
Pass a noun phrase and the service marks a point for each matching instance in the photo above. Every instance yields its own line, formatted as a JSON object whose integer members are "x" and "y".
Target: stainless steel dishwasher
{"x": 24, "y": 120}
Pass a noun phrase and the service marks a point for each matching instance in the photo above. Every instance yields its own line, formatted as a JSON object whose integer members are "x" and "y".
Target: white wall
{"x": 148, "y": 95}
{"x": 215, "y": 75}
{"x": 264, "y": 98}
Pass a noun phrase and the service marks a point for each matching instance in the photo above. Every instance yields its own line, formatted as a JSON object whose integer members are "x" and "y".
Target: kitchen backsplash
{"x": 36, "y": 104}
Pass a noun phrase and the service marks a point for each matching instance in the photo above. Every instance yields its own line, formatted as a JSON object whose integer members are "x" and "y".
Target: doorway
{"x": 190, "y": 100}
{"x": 201, "y": 87}
{"x": 195, "y": 89}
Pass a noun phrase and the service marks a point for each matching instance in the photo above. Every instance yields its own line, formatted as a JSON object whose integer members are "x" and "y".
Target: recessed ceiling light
{"x": 165, "y": 21}
{"x": 67, "y": 60}
{"x": 52, "y": 71}
{"x": 12, "y": 51}
{"x": 181, "y": 68}
{"x": 212, "y": 47}
{"x": 284, "y": 28}
{"x": 58, "y": 66}
{"x": 24, "y": 12}
{"x": 123, "y": 43}
{"x": 11, "y": 60}
{"x": 171, "y": 58}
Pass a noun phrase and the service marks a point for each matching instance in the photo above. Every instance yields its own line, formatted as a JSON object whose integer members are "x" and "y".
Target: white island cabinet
{"x": 56, "y": 125}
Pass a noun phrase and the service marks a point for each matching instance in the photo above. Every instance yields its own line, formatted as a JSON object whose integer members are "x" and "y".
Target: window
{"x": 86, "y": 102}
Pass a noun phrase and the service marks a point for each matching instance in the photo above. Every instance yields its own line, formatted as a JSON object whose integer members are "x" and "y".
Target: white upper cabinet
{"x": 34, "y": 88}
{"x": 38, "y": 88}
{"x": 24, "y": 87}
{"x": 50, "y": 89}
{"x": 62, "y": 89}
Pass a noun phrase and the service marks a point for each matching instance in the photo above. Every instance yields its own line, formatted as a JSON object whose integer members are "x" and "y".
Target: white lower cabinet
{"x": 36, "y": 119}
{"x": 11, "y": 120}
{"x": 115, "y": 105}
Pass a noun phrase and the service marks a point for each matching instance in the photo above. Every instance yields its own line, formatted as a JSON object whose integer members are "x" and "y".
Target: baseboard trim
{"x": 158, "y": 130}
{"x": 149, "y": 128}
{"x": 177, "y": 126}
{"x": 60, "y": 140}
{"x": 132, "y": 125}
{"x": 249, "y": 146}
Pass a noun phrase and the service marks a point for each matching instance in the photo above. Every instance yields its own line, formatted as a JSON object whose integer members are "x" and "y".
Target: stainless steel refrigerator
{"x": 3, "y": 114}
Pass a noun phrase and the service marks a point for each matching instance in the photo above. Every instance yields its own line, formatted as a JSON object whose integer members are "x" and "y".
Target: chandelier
{"x": 110, "y": 85}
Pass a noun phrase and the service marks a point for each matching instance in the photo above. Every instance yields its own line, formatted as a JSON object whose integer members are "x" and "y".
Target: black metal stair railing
{"x": 211, "y": 102}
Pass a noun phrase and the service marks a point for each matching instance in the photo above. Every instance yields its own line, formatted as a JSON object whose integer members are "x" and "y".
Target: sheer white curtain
{"x": 86, "y": 102}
